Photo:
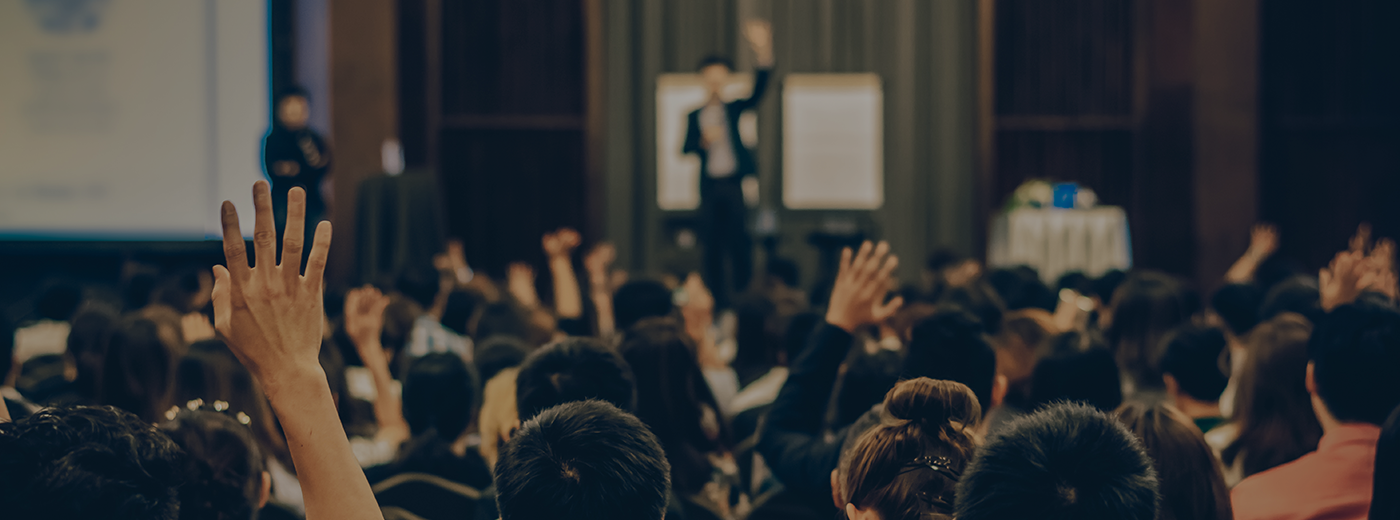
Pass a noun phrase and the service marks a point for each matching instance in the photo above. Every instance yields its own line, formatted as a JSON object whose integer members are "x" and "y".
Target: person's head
{"x": 1273, "y": 409}
{"x": 87, "y": 344}
{"x": 574, "y": 369}
{"x": 186, "y": 291}
{"x": 460, "y": 308}
{"x": 1025, "y": 336}
{"x": 58, "y": 301}
{"x": 1192, "y": 365}
{"x": 1103, "y": 287}
{"x": 209, "y": 372}
{"x": 951, "y": 346}
{"x": 420, "y": 284}
{"x": 714, "y": 71}
{"x": 582, "y": 460}
{"x": 498, "y": 353}
{"x": 136, "y": 374}
{"x": 1353, "y": 356}
{"x": 293, "y": 108}
{"x": 640, "y": 299}
{"x": 1297, "y": 294}
{"x": 980, "y": 300}
{"x": 908, "y": 465}
{"x": 755, "y": 338}
{"x": 1385, "y": 503}
{"x": 223, "y": 476}
{"x": 1064, "y": 462}
{"x": 1237, "y": 305}
{"x": 88, "y": 462}
{"x": 1078, "y": 368}
{"x": 438, "y": 396}
{"x": 1145, "y": 307}
{"x": 674, "y": 400}
{"x": 1021, "y": 288}
{"x": 501, "y": 319}
{"x": 1188, "y": 475}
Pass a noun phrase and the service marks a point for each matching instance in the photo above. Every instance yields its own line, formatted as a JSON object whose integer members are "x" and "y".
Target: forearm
{"x": 602, "y": 303}
{"x": 801, "y": 402}
{"x": 568, "y": 299}
{"x": 1243, "y": 269}
{"x": 330, "y": 477}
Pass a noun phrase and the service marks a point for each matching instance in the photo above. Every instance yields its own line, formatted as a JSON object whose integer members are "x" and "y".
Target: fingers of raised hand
{"x": 235, "y": 251}
{"x": 264, "y": 226}
{"x": 222, "y": 299}
{"x": 884, "y": 311}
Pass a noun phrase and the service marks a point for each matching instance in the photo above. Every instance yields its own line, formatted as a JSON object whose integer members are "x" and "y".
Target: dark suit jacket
{"x": 744, "y": 164}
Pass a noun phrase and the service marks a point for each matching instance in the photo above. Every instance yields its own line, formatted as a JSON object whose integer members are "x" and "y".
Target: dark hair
{"x": 1146, "y": 307}
{"x": 1076, "y": 281}
{"x": 1297, "y": 294}
{"x": 87, "y": 346}
{"x": 58, "y": 301}
{"x": 640, "y": 299}
{"x": 1237, "y": 305}
{"x": 137, "y": 367}
{"x": 1067, "y": 461}
{"x": 978, "y": 299}
{"x": 943, "y": 258}
{"x": 1025, "y": 337}
{"x": 1020, "y": 288}
{"x": 498, "y": 353}
{"x": 1355, "y": 352}
{"x": 438, "y": 396}
{"x": 419, "y": 283}
{"x": 757, "y": 344}
{"x": 222, "y": 477}
{"x": 1078, "y": 368}
{"x": 1189, "y": 479}
{"x": 87, "y": 462}
{"x": 582, "y": 460}
{"x": 674, "y": 400}
{"x": 460, "y": 308}
{"x": 908, "y": 466}
{"x": 1273, "y": 409}
{"x": 1104, "y": 286}
{"x": 1192, "y": 356}
{"x": 1385, "y": 504}
{"x": 210, "y": 372}
{"x": 783, "y": 269}
{"x": 501, "y": 319}
{"x": 293, "y": 91}
{"x": 178, "y": 291}
{"x": 575, "y": 369}
{"x": 950, "y": 345}
{"x": 715, "y": 59}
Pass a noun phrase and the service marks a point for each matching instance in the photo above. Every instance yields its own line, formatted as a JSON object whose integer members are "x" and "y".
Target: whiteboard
{"x": 678, "y": 174}
{"x": 833, "y": 141}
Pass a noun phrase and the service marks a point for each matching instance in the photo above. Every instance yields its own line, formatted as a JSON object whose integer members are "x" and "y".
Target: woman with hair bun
{"x": 908, "y": 466}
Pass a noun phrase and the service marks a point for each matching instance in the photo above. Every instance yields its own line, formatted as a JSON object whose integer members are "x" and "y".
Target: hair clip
{"x": 218, "y": 406}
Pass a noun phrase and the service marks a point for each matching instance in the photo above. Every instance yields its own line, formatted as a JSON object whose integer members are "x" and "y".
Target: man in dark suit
{"x": 728, "y": 181}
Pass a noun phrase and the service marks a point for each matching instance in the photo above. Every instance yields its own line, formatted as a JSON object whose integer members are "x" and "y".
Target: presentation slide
{"x": 129, "y": 119}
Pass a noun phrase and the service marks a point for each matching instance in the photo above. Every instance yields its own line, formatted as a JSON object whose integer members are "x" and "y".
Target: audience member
{"x": 575, "y": 369}
{"x": 424, "y": 287}
{"x": 951, "y": 346}
{"x": 1025, "y": 337}
{"x": 1273, "y": 423}
{"x": 1385, "y": 502}
{"x": 1353, "y": 355}
{"x": 136, "y": 374}
{"x": 1236, "y": 308}
{"x": 675, "y": 402}
{"x": 792, "y": 443}
{"x": 1193, "y": 375}
{"x": 1078, "y": 368}
{"x": 88, "y": 463}
{"x": 498, "y": 353}
{"x": 1064, "y": 462}
{"x": 1021, "y": 288}
{"x": 439, "y": 394}
{"x": 1144, "y": 309}
{"x": 209, "y": 372}
{"x": 908, "y": 466}
{"x": 1297, "y": 294}
{"x": 640, "y": 299}
{"x": 499, "y": 418}
{"x": 222, "y": 476}
{"x": 1188, "y": 475}
{"x": 582, "y": 460}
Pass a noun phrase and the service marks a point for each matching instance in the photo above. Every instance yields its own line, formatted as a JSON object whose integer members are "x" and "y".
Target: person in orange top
{"x": 1353, "y": 356}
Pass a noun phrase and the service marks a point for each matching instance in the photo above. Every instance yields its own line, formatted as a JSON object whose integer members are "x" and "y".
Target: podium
{"x": 1056, "y": 241}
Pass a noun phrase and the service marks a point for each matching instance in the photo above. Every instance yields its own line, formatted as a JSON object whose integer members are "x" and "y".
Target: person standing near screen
{"x": 295, "y": 155}
{"x": 728, "y": 182}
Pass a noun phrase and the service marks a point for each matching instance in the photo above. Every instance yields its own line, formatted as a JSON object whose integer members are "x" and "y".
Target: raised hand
{"x": 1342, "y": 281}
{"x": 364, "y": 316}
{"x": 1263, "y": 241}
{"x": 1382, "y": 261}
{"x": 599, "y": 260}
{"x": 760, "y": 36}
{"x": 520, "y": 281}
{"x": 857, "y": 297}
{"x": 270, "y": 314}
{"x": 560, "y": 243}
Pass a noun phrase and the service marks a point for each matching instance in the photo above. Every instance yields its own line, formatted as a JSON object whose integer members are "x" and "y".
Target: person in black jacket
{"x": 295, "y": 155}
{"x": 727, "y": 167}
